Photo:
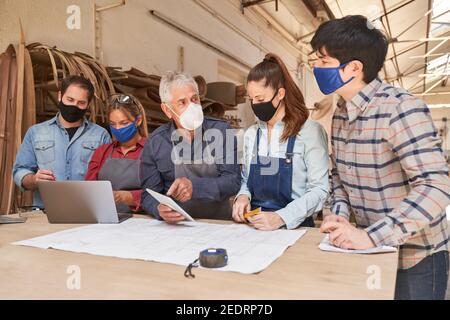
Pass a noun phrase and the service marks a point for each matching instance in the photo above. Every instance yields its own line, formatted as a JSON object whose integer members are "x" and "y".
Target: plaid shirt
{"x": 389, "y": 170}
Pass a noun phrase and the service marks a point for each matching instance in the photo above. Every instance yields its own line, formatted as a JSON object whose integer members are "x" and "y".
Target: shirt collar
{"x": 263, "y": 124}
{"x": 54, "y": 120}
{"x": 361, "y": 100}
{"x": 140, "y": 143}
{"x": 173, "y": 127}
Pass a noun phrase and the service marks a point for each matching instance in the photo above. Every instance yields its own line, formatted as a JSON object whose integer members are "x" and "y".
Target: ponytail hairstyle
{"x": 131, "y": 107}
{"x": 276, "y": 75}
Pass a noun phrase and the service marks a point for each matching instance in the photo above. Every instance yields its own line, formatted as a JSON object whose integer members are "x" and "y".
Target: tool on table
{"x": 209, "y": 258}
{"x": 252, "y": 213}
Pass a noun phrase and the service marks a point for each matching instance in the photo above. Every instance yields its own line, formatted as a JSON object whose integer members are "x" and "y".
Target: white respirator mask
{"x": 192, "y": 117}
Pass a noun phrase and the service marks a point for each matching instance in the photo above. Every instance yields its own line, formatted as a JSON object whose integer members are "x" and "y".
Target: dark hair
{"x": 131, "y": 110}
{"x": 276, "y": 75}
{"x": 353, "y": 38}
{"x": 78, "y": 81}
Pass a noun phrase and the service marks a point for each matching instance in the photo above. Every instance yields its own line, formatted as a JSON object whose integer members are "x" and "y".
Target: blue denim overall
{"x": 272, "y": 191}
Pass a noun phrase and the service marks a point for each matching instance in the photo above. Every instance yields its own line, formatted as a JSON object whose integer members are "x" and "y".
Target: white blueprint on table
{"x": 325, "y": 245}
{"x": 249, "y": 250}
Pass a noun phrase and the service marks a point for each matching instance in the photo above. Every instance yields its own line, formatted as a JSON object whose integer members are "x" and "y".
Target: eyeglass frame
{"x": 115, "y": 99}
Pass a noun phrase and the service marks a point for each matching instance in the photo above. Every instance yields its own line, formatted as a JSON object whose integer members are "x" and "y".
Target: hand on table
{"x": 240, "y": 207}
{"x": 266, "y": 221}
{"x": 344, "y": 235}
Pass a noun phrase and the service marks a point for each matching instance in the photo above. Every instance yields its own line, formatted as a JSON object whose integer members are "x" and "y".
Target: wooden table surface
{"x": 302, "y": 272}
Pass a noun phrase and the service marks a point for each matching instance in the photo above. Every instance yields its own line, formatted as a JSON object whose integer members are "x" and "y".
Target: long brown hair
{"x": 132, "y": 110}
{"x": 276, "y": 75}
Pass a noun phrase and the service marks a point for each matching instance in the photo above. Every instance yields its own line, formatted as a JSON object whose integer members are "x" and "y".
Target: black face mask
{"x": 265, "y": 110}
{"x": 71, "y": 113}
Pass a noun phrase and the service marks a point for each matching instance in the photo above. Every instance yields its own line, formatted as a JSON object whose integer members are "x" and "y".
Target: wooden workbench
{"x": 303, "y": 272}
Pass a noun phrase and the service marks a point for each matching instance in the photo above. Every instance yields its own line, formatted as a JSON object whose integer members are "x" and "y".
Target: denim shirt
{"x": 310, "y": 167}
{"x": 46, "y": 146}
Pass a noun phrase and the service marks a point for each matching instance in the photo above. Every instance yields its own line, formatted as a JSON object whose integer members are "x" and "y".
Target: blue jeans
{"x": 425, "y": 281}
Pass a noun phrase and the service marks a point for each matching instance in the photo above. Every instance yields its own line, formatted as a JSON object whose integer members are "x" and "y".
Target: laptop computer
{"x": 74, "y": 202}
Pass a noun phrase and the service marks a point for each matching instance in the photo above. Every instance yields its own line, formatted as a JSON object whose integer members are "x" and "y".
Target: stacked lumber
{"x": 51, "y": 65}
{"x": 30, "y": 79}
{"x": 226, "y": 92}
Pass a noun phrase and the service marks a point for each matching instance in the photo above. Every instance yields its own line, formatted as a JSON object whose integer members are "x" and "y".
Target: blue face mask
{"x": 329, "y": 79}
{"x": 126, "y": 133}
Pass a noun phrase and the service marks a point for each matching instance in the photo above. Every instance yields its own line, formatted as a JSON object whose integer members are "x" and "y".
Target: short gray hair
{"x": 173, "y": 79}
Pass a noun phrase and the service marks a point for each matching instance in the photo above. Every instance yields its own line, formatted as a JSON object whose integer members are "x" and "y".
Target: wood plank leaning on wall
{"x": 17, "y": 114}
